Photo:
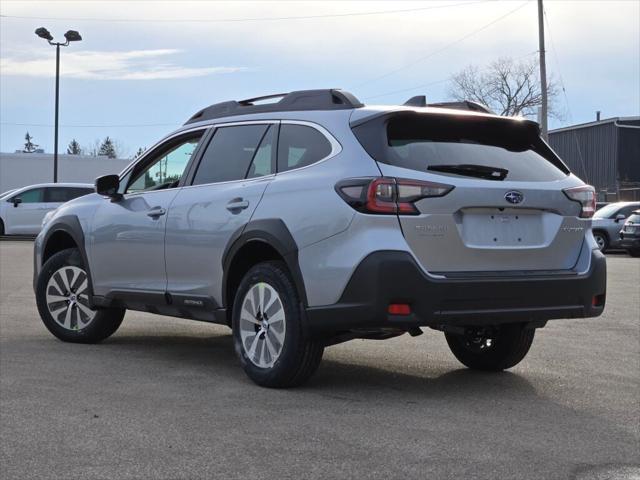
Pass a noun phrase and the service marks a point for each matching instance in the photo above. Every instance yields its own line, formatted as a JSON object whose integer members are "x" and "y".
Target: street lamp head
{"x": 44, "y": 33}
{"x": 72, "y": 36}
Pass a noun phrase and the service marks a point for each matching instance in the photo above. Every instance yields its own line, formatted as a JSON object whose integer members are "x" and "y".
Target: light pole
{"x": 70, "y": 36}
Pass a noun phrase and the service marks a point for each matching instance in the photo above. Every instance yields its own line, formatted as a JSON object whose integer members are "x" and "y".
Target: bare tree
{"x": 506, "y": 86}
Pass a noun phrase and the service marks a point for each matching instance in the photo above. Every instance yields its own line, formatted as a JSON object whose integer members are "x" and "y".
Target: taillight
{"x": 388, "y": 195}
{"x": 586, "y": 196}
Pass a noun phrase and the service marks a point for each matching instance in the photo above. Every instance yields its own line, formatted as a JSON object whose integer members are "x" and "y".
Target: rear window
{"x": 64, "y": 194}
{"x": 463, "y": 146}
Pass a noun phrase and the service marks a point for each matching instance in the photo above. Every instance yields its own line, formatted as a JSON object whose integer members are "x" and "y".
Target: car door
{"x": 25, "y": 212}
{"x": 228, "y": 183}
{"x": 127, "y": 235}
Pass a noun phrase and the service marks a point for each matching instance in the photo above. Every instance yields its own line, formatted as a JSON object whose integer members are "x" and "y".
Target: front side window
{"x": 230, "y": 153}
{"x": 299, "y": 146}
{"x": 165, "y": 170}
{"x": 32, "y": 196}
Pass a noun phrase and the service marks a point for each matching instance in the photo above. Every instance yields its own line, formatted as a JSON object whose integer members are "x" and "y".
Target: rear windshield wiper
{"x": 477, "y": 171}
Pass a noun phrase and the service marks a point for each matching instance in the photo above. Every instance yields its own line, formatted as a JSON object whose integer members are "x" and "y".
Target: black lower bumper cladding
{"x": 391, "y": 277}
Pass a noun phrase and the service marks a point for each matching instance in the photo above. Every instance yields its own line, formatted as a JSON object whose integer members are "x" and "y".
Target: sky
{"x": 144, "y": 67}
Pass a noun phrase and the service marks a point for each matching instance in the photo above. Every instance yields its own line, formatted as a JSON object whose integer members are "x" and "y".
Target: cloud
{"x": 101, "y": 65}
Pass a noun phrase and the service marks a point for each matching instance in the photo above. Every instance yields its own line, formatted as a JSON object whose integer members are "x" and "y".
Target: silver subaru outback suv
{"x": 313, "y": 220}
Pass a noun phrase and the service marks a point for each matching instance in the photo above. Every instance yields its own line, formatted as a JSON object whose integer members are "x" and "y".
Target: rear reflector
{"x": 399, "y": 309}
{"x": 598, "y": 300}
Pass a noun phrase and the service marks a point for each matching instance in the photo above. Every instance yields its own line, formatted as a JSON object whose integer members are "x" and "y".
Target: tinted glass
{"x": 166, "y": 170}
{"x": 229, "y": 154}
{"x": 264, "y": 160}
{"x": 463, "y": 145}
{"x": 614, "y": 209}
{"x": 626, "y": 211}
{"x": 300, "y": 145}
{"x": 32, "y": 196}
{"x": 64, "y": 194}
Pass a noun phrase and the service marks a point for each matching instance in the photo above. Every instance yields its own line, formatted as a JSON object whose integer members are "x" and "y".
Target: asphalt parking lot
{"x": 166, "y": 399}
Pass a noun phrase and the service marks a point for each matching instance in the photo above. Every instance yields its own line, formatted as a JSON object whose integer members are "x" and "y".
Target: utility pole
{"x": 543, "y": 71}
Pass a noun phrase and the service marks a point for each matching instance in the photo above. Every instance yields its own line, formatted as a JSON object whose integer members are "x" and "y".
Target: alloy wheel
{"x": 68, "y": 300}
{"x": 262, "y": 325}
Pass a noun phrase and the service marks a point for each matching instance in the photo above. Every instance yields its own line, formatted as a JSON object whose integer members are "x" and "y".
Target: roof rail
{"x": 464, "y": 105}
{"x": 328, "y": 99}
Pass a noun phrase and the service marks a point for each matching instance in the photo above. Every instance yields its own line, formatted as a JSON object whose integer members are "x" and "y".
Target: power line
{"x": 564, "y": 92}
{"x": 435, "y": 52}
{"x": 249, "y": 19}
{"x": 91, "y": 126}
{"x": 406, "y": 89}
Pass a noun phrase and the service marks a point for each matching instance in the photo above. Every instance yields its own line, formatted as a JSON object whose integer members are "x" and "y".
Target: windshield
{"x": 634, "y": 218}
{"x": 607, "y": 211}
{"x": 487, "y": 148}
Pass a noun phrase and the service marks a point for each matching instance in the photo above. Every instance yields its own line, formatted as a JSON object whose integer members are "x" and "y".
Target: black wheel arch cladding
{"x": 274, "y": 233}
{"x": 70, "y": 225}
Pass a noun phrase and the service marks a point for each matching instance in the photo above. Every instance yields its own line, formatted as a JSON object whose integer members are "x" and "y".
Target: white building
{"x": 20, "y": 169}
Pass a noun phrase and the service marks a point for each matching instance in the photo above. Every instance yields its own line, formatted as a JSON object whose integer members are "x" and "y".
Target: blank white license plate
{"x": 502, "y": 229}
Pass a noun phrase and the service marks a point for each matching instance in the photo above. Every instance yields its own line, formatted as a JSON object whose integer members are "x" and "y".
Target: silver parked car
{"x": 23, "y": 209}
{"x": 608, "y": 221}
{"x": 315, "y": 220}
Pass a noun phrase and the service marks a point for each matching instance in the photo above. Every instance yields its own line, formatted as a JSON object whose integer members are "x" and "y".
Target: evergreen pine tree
{"x": 74, "y": 148}
{"x": 107, "y": 148}
{"x": 140, "y": 151}
{"x": 29, "y": 146}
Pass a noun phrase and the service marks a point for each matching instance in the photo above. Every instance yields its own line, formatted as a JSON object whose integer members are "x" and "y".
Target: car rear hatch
{"x": 507, "y": 210}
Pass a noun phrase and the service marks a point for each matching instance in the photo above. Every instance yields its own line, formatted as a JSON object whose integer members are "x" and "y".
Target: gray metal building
{"x": 605, "y": 154}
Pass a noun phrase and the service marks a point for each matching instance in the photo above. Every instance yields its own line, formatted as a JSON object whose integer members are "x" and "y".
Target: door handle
{"x": 156, "y": 212}
{"x": 237, "y": 204}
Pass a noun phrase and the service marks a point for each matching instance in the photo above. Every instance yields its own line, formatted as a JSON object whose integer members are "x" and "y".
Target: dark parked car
{"x": 607, "y": 223}
{"x": 630, "y": 234}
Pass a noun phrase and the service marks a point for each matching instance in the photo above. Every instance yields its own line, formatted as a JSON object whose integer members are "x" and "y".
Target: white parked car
{"x": 23, "y": 209}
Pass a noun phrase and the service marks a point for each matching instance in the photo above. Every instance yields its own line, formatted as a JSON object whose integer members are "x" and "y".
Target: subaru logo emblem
{"x": 514, "y": 196}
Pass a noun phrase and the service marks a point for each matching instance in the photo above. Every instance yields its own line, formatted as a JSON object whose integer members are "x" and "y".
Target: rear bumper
{"x": 386, "y": 277}
{"x": 627, "y": 241}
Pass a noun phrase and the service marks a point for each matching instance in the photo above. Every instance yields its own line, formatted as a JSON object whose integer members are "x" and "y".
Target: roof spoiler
{"x": 327, "y": 99}
{"x": 421, "y": 101}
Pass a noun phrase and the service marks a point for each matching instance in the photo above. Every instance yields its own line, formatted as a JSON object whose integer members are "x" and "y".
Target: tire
{"x": 509, "y": 345}
{"x": 602, "y": 240}
{"x": 274, "y": 349}
{"x": 634, "y": 252}
{"x": 1, "y": 228}
{"x": 63, "y": 305}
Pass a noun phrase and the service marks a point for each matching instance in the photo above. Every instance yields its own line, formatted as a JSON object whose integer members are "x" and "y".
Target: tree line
{"x": 107, "y": 147}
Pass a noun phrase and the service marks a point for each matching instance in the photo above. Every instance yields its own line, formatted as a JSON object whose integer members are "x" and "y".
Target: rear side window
{"x": 463, "y": 146}
{"x": 299, "y": 146}
{"x": 64, "y": 194}
{"x": 229, "y": 154}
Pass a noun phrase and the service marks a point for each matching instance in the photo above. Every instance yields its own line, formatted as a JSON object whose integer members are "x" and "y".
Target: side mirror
{"x": 620, "y": 217}
{"x": 108, "y": 185}
{"x": 16, "y": 201}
